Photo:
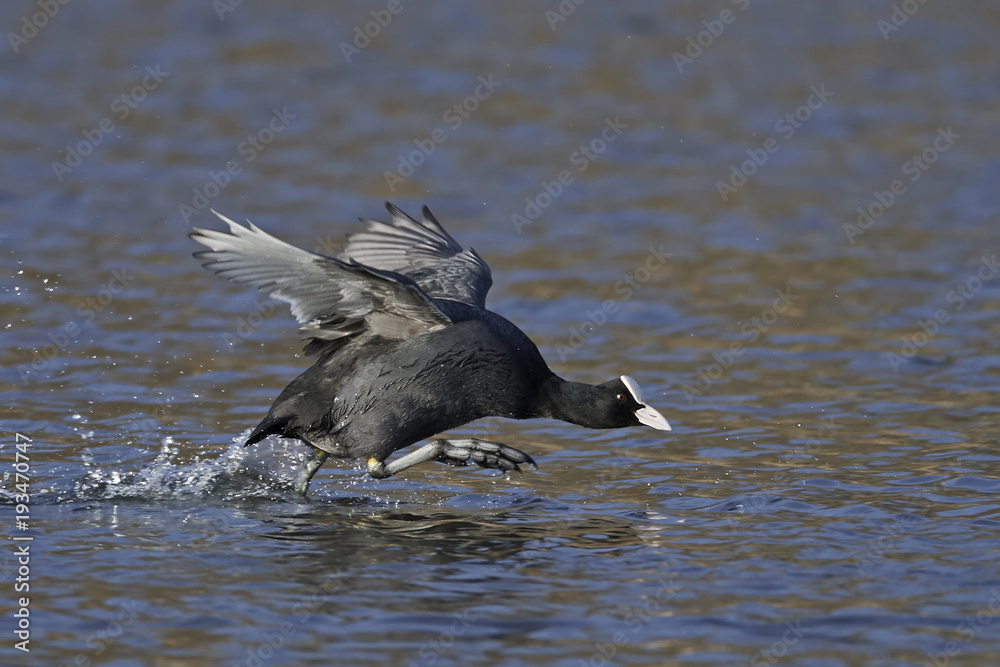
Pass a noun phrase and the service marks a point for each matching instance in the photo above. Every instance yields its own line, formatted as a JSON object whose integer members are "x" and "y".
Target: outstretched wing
{"x": 333, "y": 300}
{"x": 424, "y": 252}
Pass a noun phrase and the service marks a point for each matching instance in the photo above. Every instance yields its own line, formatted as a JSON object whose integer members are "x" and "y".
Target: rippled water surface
{"x": 781, "y": 218}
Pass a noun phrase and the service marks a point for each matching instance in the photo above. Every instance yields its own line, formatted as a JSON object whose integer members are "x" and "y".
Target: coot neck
{"x": 569, "y": 401}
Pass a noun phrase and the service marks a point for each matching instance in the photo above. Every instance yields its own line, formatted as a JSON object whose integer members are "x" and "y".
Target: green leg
{"x": 313, "y": 463}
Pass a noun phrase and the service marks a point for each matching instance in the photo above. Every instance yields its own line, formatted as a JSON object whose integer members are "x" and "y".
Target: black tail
{"x": 268, "y": 426}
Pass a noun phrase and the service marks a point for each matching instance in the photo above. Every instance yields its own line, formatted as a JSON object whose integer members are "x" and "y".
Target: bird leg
{"x": 457, "y": 453}
{"x": 313, "y": 462}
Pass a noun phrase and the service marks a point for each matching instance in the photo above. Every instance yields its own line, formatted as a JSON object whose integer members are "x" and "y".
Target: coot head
{"x": 631, "y": 406}
{"x": 614, "y": 404}
{"x": 623, "y": 406}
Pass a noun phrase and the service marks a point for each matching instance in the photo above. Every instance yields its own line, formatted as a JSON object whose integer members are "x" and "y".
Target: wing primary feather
{"x": 333, "y": 299}
{"x": 425, "y": 252}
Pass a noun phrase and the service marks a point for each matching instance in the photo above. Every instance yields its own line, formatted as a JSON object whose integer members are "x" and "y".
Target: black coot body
{"x": 407, "y": 349}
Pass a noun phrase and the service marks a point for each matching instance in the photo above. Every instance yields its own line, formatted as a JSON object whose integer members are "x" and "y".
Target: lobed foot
{"x": 485, "y": 454}
{"x": 491, "y": 455}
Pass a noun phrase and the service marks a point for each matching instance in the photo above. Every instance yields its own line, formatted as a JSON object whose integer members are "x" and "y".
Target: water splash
{"x": 266, "y": 470}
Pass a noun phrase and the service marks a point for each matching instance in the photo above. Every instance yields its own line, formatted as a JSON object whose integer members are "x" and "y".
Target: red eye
{"x": 621, "y": 398}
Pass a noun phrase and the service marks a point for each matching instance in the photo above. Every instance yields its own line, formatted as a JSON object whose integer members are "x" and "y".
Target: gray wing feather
{"x": 333, "y": 300}
{"x": 424, "y": 252}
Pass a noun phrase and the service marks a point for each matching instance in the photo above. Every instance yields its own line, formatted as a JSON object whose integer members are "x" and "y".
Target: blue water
{"x": 780, "y": 218}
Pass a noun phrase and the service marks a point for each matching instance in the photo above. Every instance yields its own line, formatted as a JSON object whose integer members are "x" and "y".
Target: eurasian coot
{"x": 405, "y": 349}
